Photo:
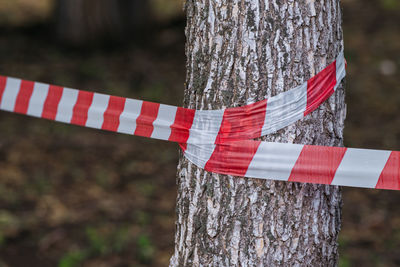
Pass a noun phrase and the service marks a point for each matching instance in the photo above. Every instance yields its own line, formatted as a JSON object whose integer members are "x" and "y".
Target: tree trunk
{"x": 79, "y": 21}
{"x": 239, "y": 52}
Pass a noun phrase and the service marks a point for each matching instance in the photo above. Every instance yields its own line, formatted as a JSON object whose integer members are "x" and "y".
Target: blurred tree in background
{"x": 72, "y": 196}
{"x": 22, "y": 12}
{"x": 79, "y": 21}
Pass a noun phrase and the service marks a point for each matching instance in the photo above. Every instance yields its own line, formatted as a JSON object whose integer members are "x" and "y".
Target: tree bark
{"x": 239, "y": 52}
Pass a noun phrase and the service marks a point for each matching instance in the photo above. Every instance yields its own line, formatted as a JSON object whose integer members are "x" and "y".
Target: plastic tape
{"x": 220, "y": 140}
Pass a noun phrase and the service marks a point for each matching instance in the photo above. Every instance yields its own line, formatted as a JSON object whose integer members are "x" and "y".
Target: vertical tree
{"x": 81, "y": 20}
{"x": 239, "y": 52}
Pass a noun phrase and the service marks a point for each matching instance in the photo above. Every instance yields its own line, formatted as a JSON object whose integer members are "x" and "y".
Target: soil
{"x": 71, "y": 196}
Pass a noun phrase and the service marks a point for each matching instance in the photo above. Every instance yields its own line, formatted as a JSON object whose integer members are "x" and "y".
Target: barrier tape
{"x": 219, "y": 140}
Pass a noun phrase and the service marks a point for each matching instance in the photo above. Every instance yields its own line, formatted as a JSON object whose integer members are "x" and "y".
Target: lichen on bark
{"x": 239, "y": 52}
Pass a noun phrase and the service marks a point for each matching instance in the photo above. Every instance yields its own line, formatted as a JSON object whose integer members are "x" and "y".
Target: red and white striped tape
{"x": 210, "y": 137}
{"x": 301, "y": 163}
{"x": 167, "y": 122}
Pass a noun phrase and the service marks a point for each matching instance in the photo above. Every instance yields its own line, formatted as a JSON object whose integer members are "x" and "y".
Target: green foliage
{"x": 145, "y": 248}
{"x": 390, "y": 4}
{"x": 121, "y": 239}
{"x": 108, "y": 239}
{"x": 142, "y": 218}
{"x": 166, "y": 9}
{"x": 97, "y": 241}
{"x": 146, "y": 188}
{"x": 58, "y": 178}
{"x": 344, "y": 261}
{"x": 153, "y": 92}
{"x": 73, "y": 259}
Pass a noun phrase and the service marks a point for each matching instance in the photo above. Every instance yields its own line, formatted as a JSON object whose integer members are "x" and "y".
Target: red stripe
{"x": 80, "y": 111}
{"x": 24, "y": 95}
{"x": 111, "y": 115}
{"x": 242, "y": 122}
{"x": 3, "y": 82}
{"x": 180, "y": 130}
{"x": 52, "y": 100}
{"x": 232, "y": 158}
{"x": 320, "y": 87}
{"x": 317, "y": 164}
{"x": 148, "y": 114}
{"x": 183, "y": 146}
{"x": 390, "y": 176}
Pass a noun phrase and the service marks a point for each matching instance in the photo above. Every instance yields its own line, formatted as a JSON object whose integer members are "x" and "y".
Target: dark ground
{"x": 71, "y": 196}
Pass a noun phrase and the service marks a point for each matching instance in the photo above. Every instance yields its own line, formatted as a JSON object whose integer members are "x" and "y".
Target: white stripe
{"x": 66, "y": 105}
{"x": 340, "y": 69}
{"x": 96, "y": 110}
{"x": 361, "y": 167}
{"x": 10, "y": 94}
{"x": 285, "y": 109}
{"x": 199, "y": 154}
{"x": 127, "y": 120}
{"x": 162, "y": 125}
{"x": 274, "y": 161}
{"x": 36, "y": 103}
{"x": 205, "y": 127}
{"x": 204, "y": 131}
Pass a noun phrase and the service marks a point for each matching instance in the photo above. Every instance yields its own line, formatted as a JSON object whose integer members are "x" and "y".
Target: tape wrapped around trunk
{"x": 219, "y": 140}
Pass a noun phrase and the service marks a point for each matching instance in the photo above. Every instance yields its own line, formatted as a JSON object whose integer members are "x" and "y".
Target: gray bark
{"x": 238, "y": 52}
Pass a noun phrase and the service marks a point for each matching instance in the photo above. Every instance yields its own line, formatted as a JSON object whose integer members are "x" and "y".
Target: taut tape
{"x": 219, "y": 140}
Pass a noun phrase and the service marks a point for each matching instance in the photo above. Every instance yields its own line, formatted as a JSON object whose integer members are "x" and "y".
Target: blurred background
{"x": 72, "y": 196}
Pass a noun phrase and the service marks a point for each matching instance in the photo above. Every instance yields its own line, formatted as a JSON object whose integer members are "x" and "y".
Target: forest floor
{"x": 72, "y": 196}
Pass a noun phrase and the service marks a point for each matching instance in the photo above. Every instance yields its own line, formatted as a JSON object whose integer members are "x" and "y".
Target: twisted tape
{"x": 219, "y": 140}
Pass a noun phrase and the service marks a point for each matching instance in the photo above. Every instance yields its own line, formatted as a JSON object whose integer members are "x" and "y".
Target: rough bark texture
{"x": 239, "y": 52}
